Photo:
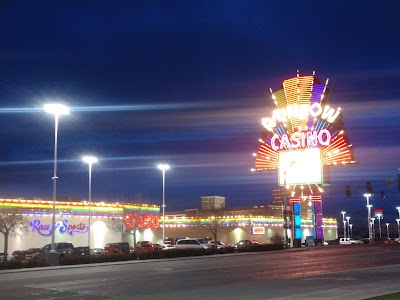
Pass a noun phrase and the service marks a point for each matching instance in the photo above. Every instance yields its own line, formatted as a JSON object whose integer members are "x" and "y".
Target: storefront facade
{"x": 72, "y": 225}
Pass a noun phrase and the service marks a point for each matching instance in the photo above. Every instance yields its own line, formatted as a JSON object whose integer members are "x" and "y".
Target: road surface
{"x": 331, "y": 272}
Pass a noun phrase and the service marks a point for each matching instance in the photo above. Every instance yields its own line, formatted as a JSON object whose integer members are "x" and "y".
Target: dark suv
{"x": 62, "y": 248}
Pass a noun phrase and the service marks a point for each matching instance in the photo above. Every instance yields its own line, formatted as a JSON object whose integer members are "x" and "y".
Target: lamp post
{"x": 398, "y": 220}
{"x": 351, "y": 230}
{"x": 348, "y": 226}
{"x": 163, "y": 168}
{"x": 56, "y": 110}
{"x": 369, "y": 215}
{"x": 379, "y": 224}
{"x": 285, "y": 224}
{"x": 90, "y": 160}
{"x": 373, "y": 227}
{"x": 398, "y": 210}
{"x": 344, "y": 224}
{"x": 387, "y": 230}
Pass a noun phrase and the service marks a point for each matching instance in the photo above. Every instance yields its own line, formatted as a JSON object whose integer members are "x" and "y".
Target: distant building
{"x": 255, "y": 210}
{"x": 259, "y": 222}
{"x": 277, "y": 197}
{"x": 72, "y": 222}
{"x": 212, "y": 202}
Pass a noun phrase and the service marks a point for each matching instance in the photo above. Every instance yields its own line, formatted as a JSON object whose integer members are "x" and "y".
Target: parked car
{"x": 145, "y": 247}
{"x": 9, "y": 257}
{"x": 246, "y": 244}
{"x": 81, "y": 251}
{"x": 157, "y": 247}
{"x": 99, "y": 251}
{"x": 222, "y": 247}
{"x": 349, "y": 241}
{"x": 61, "y": 248}
{"x": 25, "y": 254}
{"x": 117, "y": 248}
{"x": 168, "y": 247}
{"x": 194, "y": 243}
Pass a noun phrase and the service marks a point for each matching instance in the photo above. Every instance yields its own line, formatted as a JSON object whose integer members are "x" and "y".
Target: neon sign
{"x": 301, "y": 139}
{"x": 62, "y": 227}
{"x": 257, "y": 230}
{"x": 301, "y": 112}
{"x": 303, "y": 120}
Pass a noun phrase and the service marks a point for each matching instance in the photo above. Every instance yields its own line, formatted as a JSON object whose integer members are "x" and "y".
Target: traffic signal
{"x": 383, "y": 196}
{"x": 348, "y": 191}
{"x": 368, "y": 188}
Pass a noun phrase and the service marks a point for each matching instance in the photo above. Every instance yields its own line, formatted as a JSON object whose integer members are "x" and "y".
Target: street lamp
{"x": 373, "y": 227}
{"x": 351, "y": 230}
{"x": 344, "y": 224}
{"x": 163, "y": 168}
{"x": 379, "y": 224}
{"x": 285, "y": 223}
{"x": 387, "y": 230}
{"x": 369, "y": 215}
{"x": 348, "y": 226}
{"x": 90, "y": 160}
{"x": 398, "y": 226}
{"x": 56, "y": 110}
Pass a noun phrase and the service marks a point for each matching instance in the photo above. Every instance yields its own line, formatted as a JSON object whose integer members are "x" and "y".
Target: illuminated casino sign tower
{"x": 301, "y": 139}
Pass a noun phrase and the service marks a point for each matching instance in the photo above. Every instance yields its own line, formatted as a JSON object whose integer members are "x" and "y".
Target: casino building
{"x": 107, "y": 219}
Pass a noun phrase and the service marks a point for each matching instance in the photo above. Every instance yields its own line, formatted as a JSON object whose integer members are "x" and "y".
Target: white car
{"x": 356, "y": 241}
{"x": 168, "y": 247}
{"x": 349, "y": 241}
{"x": 98, "y": 251}
{"x": 194, "y": 243}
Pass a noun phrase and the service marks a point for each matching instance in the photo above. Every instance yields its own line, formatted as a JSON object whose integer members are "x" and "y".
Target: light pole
{"x": 163, "y": 168}
{"x": 90, "y": 160}
{"x": 285, "y": 225}
{"x": 379, "y": 224}
{"x": 56, "y": 110}
{"x": 373, "y": 227}
{"x": 351, "y": 230}
{"x": 398, "y": 220}
{"x": 369, "y": 215}
{"x": 387, "y": 230}
{"x": 348, "y": 226}
{"x": 398, "y": 210}
{"x": 344, "y": 224}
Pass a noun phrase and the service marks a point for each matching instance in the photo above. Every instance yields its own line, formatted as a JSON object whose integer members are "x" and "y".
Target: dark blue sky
{"x": 187, "y": 83}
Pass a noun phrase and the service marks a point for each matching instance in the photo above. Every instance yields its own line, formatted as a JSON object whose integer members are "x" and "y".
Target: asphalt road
{"x": 332, "y": 272}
